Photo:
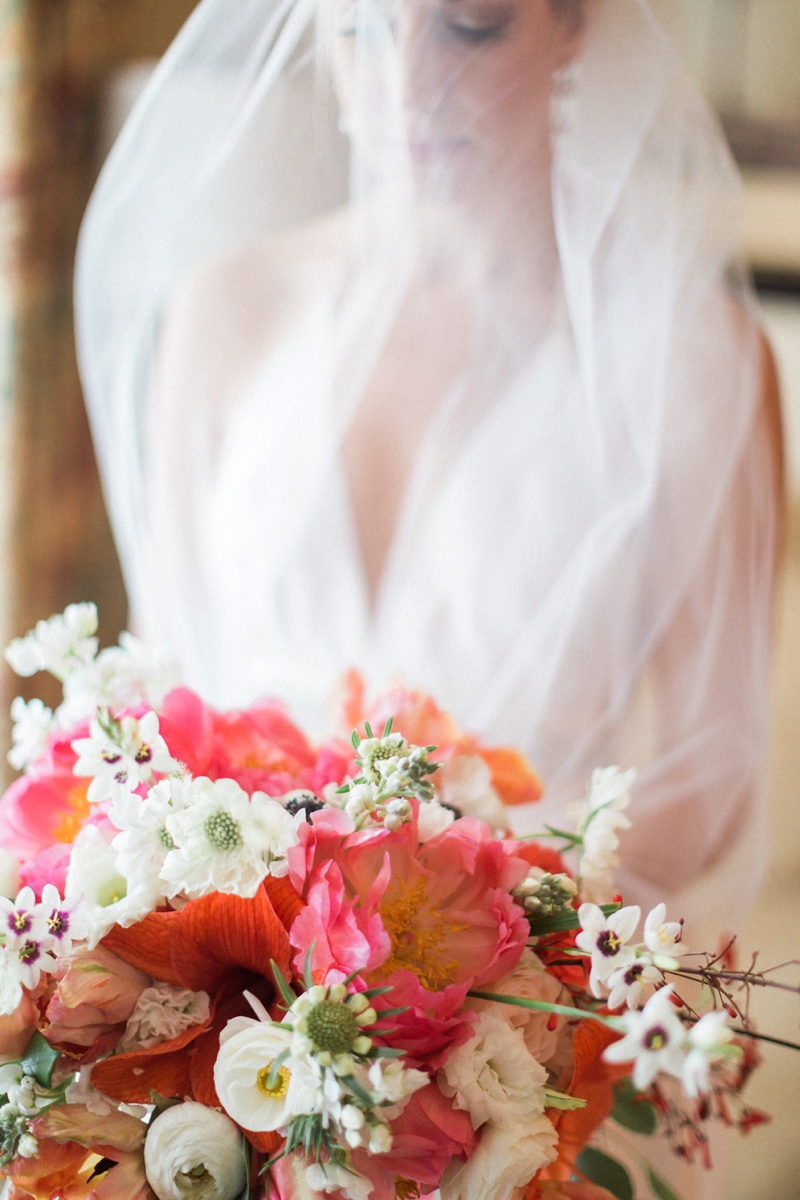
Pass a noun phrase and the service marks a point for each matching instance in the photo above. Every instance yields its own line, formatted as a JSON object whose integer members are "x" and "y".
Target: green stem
{"x": 763, "y": 1037}
{"x": 561, "y": 1010}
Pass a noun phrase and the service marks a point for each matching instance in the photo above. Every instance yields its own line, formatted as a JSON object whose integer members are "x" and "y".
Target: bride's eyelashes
{"x": 475, "y": 26}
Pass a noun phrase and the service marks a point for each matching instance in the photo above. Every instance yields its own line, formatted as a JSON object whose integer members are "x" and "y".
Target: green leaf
{"x": 385, "y": 1013}
{"x": 660, "y": 1189}
{"x": 605, "y": 1172}
{"x": 368, "y": 729}
{"x": 245, "y": 1192}
{"x": 632, "y": 1110}
{"x": 275, "y": 1069}
{"x": 355, "y": 739}
{"x": 567, "y": 919}
{"x": 385, "y": 1052}
{"x": 39, "y": 1059}
{"x": 553, "y": 1099}
{"x": 371, "y": 993}
{"x": 358, "y": 1091}
{"x": 387, "y": 729}
{"x": 308, "y": 976}
{"x": 283, "y": 987}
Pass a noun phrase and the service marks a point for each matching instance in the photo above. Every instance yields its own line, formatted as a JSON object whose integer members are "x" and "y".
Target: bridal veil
{"x": 582, "y": 562}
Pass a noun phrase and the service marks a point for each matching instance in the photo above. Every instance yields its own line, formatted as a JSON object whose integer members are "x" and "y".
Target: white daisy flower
{"x": 604, "y": 938}
{"x": 22, "y": 919}
{"x": 144, "y": 842}
{"x": 121, "y": 755}
{"x": 66, "y": 922}
{"x": 663, "y": 937}
{"x": 654, "y": 1040}
{"x": 219, "y": 839}
{"x": 110, "y": 898}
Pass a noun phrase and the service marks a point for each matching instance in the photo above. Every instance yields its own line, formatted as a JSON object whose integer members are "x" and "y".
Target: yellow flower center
{"x": 419, "y": 934}
{"x": 281, "y": 1087}
{"x": 405, "y": 1189}
{"x": 73, "y": 820}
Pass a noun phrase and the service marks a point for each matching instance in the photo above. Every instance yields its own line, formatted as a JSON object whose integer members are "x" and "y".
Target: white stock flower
{"x": 32, "y": 724}
{"x": 163, "y": 1012}
{"x": 242, "y": 1076}
{"x": 663, "y": 937}
{"x": 10, "y": 982}
{"x": 110, "y": 899}
{"x": 9, "y": 874}
{"x": 60, "y": 645}
{"x": 118, "y": 764}
{"x": 507, "y": 1157}
{"x": 465, "y": 783}
{"x": 28, "y": 1146}
{"x": 604, "y": 938}
{"x": 433, "y": 819}
{"x": 654, "y": 1040}
{"x": 329, "y": 1177}
{"x": 194, "y": 1152}
{"x": 120, "y": 677}
{"x": 493, "y": 1076}
{"x": 604, "y": 815}
{"x": 22, "y": 1090}
{"x": 219, "y": 840}
{"x": 708, "y": 1041}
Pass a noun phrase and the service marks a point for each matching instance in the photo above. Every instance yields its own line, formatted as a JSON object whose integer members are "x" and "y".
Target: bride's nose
{"x": 424, "y": 70}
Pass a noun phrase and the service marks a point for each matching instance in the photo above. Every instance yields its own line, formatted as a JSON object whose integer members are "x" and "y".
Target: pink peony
{"x": 95, "y": 996}
{"x": 259, "y": 747}
{"x": 434, "y": 1023}
{"x": 344, "y": 939}
{"x": 445, "y": 905}
{"x": 426, "y": 1137}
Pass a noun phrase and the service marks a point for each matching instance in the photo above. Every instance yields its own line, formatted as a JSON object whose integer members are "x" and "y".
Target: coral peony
{"x": 17, "y": 1029}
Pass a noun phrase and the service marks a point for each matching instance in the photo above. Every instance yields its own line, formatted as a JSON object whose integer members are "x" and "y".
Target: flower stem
{"x": 561, "y": 1010}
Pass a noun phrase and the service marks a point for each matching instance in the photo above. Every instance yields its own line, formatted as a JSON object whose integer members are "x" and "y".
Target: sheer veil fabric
{"x": 580, "y": 561}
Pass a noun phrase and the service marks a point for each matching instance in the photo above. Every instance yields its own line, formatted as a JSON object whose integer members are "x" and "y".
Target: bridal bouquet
{"x": 235, "y": 963}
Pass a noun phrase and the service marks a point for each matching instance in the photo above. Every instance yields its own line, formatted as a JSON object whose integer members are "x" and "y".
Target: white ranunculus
{"x": 194, "y": 1153}
{"x": 466, "y": 783}
{"x": 493, "y": 1076}
{"x": 328, "y": 1177}
{"x": 506, "y": 1158}
{"x": 241, "y": 1077}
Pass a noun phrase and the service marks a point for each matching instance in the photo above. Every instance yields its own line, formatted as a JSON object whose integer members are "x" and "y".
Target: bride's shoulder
{"x": 225, "y": 316}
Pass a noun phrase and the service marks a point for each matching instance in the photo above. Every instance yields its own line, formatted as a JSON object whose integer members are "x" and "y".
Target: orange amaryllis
{"x": 593, "y": 1080}
{"x": 219, "y": 944}
{"x": 422, "y": 723}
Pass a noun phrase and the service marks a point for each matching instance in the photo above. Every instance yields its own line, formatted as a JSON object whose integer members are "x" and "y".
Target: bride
{"x": 412, "y": 341}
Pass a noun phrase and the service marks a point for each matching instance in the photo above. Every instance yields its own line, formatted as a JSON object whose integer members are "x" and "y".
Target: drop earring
{"x": 562, "y": 99}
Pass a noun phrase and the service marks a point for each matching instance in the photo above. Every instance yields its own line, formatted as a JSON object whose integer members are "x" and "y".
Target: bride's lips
{"x": 429, "y": 150}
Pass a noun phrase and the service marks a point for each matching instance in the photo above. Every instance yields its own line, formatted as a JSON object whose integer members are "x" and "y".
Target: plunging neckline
{"x": 374, "y": 602}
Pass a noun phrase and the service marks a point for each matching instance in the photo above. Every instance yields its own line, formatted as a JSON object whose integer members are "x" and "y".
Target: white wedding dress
{"x": 581, "y": 561}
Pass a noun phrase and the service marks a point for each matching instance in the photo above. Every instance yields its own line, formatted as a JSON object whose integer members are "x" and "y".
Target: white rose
{"x": 194, "y": 1153}
{"x": 530, "y": 981}
{"x": 505, "y": 1158}
{"x": 493, "y": 1076}
{"x": 466, "y": 783}
{"x": 241, "y": 1076}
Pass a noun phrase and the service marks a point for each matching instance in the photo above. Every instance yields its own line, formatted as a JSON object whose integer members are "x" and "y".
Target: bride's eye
{"x": 477, "y": 26}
